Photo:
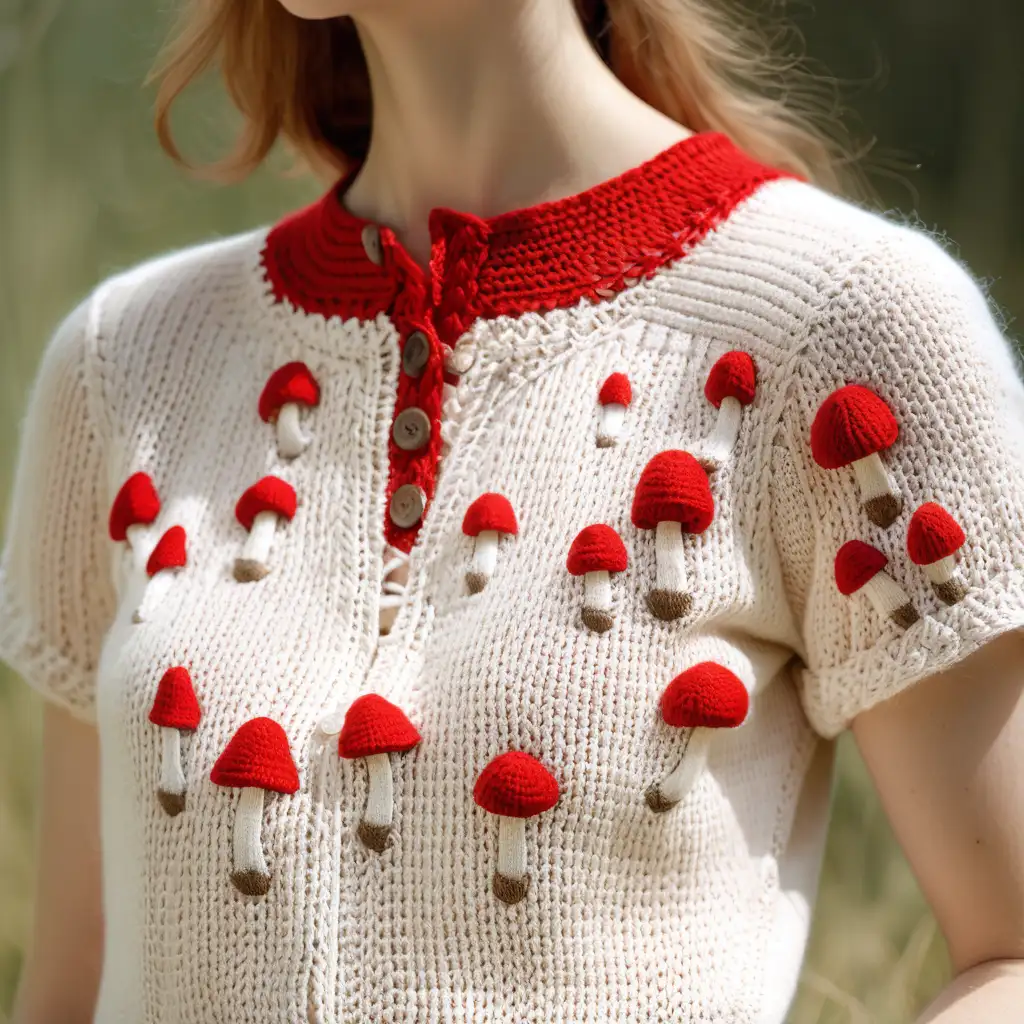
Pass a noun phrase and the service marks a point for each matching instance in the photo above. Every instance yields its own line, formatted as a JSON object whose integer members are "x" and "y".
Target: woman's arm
{"x": 947, "y": 757}
{"x": 62, "y": 969}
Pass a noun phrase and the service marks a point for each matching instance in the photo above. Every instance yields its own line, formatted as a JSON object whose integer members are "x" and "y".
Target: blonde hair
{"x": 701, "y": 62}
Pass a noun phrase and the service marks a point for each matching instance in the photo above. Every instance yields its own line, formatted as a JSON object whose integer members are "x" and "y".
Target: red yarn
{"x": 169, "y": 552}
{"x": 933, "y": 534}
{"x": 271, "y": 494}
{"x": 597, "y": 548}
{"x": 733, "y": 376}
{"x": 851, "y": 424}
{"x": 292, "y": 382}
{"x": 257, "y": 756}
{"x": 516, "y": 785}
{"x": 490, "y": 512}
{"x": 673, "y": 488}
{"x": 705, "y": 696}
{"x": 616, "y": 390}
{"x": 175, "y": 705}
{"x": 374, "y": 725}
{"x": 856, "y": 564}
{"x": 136, "y": 504}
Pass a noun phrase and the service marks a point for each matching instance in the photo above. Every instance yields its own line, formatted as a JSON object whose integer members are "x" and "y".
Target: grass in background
{"x": 85, "y": 192}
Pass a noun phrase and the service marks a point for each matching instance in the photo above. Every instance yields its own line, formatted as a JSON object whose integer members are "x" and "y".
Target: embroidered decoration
{"x": 289, "y": 389}
{"x": 256, "y": 761}
{"x": 730, "y": 386}
{"x": 375, "y": 729}
{"x": 614, "y": 397}
{"x": 488, "y": 516}
{"x": 175, "y": 710}
{"x": 851, "y": 428}
{"x": 135, "y": 508}
{"x": 514, "y": 786}
{"x": 702, "y": 699}
{"x": 258, "y": 510}
{"x": 933, "y": 539}
{"x": 671, "y": 498}
{"x": 165, "y": 560}
{"x": 597, "y": 552}
{"x": 858, "y": 567}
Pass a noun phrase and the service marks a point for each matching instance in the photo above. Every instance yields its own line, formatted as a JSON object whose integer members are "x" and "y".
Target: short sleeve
{"x": 56, "y": 591}
{"x": 905, "y": 394}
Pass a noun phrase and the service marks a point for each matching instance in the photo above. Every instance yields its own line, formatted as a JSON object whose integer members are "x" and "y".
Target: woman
{"x": 447, "y": 605}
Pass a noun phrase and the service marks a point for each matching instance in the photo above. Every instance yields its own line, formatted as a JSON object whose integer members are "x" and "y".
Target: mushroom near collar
{"x": 486, "y": 519}
{"x": 597, "y": 552}
{"x": 137, "y": 504}
{"x": 271, "y": 494}
{"x": 292, "y": 383}
{"x": 615, "y": 397}
{"x": 733, "y": 376}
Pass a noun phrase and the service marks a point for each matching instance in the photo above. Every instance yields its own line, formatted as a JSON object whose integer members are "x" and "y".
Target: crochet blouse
{"x": 688, "y": 470}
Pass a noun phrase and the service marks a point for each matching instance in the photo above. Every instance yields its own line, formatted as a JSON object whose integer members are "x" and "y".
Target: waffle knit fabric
{"x": 423, "y": 393}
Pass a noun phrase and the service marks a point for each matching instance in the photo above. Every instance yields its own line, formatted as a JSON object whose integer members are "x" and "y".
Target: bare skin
{"x": 485, "y": 107}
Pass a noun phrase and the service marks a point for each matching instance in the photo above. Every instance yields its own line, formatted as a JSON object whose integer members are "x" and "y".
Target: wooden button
{"x": 411, "y": 429}
{"x": 459, "y": 360}
{"x": 371, "y": 243}
{"x": 415, "y": 353}
{"x": 407, "y": 505}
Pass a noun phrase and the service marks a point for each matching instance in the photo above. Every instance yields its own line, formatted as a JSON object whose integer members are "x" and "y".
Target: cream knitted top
{"x": 688, "y": 470}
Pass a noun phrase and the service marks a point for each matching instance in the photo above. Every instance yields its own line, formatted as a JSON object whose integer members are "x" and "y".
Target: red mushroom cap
{"x": 175, "y": 705}
{"x": 856, "y": 564}
{"x": 374, "y": 725}
{"x": 271, "y": 494}
{"x": 733, "y": 376}
{"x": 616, "y": 390}
{"x": 851, "y": 424}
{"x": 257, "y": 757}
{"x": 292, "y": 382}
{"x": 705, "y": 696}
{"x": 597, "y": 548}
{"x": 933, "y": 534}
{"x": 490, "y": 512}
{"x": 136, "y": 504}
{"x": 169, "y": 552}
{"x": 673, "y": 488}
{"x": 516, "y": 785}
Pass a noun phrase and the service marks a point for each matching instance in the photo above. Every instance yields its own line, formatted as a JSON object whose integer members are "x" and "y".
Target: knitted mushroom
{"x": 514, "y": 786}
{"x": 289, "y": 389}
{"x": 702, "y": 699}
{"x": 486, "y": 519}
{"x": 730, "y": 386}
{"x": 858, "y": 567}
{"x": 175, "y": 710}
{"x": 671, "y": 498}
{"x": 933, "y": 539}
{"x": 597, "y": 552}
{"x": 614, "y": 398}
{"x": 134, "y": 510}
{"x": 259, "y": 510}
{"x": 851, "y": 428}
{"x": 375, "y": 729}
{"x": 256, "y": 761}
{"x": 164, "y": 561}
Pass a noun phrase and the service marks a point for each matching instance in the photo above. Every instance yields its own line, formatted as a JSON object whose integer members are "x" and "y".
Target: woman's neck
{"x": 487, "y": 107}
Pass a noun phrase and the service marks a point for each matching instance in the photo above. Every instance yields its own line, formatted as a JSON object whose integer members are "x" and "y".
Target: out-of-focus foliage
{"x": 84, "y": 191}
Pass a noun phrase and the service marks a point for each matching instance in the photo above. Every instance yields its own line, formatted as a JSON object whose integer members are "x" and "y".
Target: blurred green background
{"x": 84, "y": 191}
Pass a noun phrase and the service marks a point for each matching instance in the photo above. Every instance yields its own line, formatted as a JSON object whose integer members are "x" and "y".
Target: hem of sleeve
{"x": 52, "y": 674}
{"x": 933, "y": 644}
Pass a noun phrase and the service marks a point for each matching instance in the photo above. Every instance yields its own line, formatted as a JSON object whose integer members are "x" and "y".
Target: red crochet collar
{"x": 549, "y": 256}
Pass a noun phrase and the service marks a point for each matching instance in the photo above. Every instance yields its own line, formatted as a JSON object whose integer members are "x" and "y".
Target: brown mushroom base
{"x": 597, "y": 619}
{"x": 251, "y": 882}
{"x": 904, "y": 616}
{"x": 669, "y": 605}
{"x": 657, "y": 801}
{"x": 510, "y": 890}
{"x": 172, "y": 803}
{"x": 250, "y": 570}
{"x": 374, "y": 837}
{"x": 884, "y": 509}
{"x": 476, "y": 581}
{"x": 951, "y": 591}
{"x": 604, "y": 441}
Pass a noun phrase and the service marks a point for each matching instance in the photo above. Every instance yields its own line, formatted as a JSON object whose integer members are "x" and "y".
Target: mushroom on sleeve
{"x": 259, "y": 510}
{"x": 615, "y": 396}
{"x": 861, "y": 567}
{"x": 374, "y": 729}
{"x": 167, "y": 557}
{"x": 489, "y": 517}
{"x": 730, "y": 386}
{"x": 289, "y": 389}
{"x": 595, "y": 554}
{"x": 175, "y": 710}
{"x": 933, "y": 539}
{"x": 134, "y": 510}
{"x": 852, "y": 427}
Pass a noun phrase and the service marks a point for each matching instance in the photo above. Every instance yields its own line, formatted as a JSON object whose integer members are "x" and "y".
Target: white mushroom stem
{"x": 727, "y": 428}
{"x": 512, "y": 847}
{"x": 137, "y": 536}
{"x": 872, "y": 478}
{"x": 248, "y": 840}
{"x": 941, "y": 571}
{"x": 291, "y": 440}
{"x": 257, "y": 545}
{"x": 668, "y": 550}
{"x": 680, "y": 780}
{"x": 172, "y": 778}
{"x": 155, "y": 590}
{"x": 485, "y": 554}
{"x": 380, "y": 800}
{"x": 889, "y": 599}
{"x": 597, "y": 591}
{"x": 613, "y": 416}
